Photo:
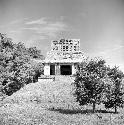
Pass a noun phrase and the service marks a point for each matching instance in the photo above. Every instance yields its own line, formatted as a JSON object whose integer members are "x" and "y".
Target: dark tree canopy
{"x": 17, "y": 66}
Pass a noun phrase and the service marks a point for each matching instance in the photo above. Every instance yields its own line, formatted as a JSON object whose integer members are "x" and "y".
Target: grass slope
{"x": 51, "y": 103}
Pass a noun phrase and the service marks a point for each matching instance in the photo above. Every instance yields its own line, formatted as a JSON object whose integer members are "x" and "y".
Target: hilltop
{"x": 51, "y": 103}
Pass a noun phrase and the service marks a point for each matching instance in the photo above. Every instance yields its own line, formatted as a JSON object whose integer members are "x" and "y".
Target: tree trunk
{"x": 94, "y": 105}
{"x": 115, "y": 109}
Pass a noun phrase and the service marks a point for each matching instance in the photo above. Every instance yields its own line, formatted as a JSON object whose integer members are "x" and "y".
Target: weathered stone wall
{"x": 66, "y": 45}
{"x": 47, "y": 69}
{"x": 51, "y": 55}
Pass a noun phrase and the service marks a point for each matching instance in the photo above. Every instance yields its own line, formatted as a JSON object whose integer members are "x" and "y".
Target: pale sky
{"x": 99, "y": 24}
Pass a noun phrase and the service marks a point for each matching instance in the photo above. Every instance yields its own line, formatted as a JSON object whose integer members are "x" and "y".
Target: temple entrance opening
{"x": 66, "y": 69}
{"x": 52, "y": 69}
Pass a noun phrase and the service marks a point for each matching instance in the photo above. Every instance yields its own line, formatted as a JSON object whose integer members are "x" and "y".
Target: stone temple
{"x": 64, "y": 57}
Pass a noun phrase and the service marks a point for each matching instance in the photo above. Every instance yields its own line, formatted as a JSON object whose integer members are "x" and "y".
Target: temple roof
{"x": 66, "y": 57}
{"x": 65, "y": 51}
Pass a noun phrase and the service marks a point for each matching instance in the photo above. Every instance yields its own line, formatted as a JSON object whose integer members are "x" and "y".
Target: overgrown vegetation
{"x": 97, "y": 83}
{"x": 18, "y": 65}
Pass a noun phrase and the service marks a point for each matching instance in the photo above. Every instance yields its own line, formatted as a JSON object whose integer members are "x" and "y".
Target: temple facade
{"x": 63, "y": 58}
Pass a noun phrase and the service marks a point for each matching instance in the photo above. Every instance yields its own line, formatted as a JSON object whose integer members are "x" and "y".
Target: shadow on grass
{"x": 77, "y": 111}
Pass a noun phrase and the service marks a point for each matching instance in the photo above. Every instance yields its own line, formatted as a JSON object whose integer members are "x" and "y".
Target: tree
{"x": 35, "y": 53}
{"x": 17, "y": 66}
{"x": 114, "y": 92}
{"x": 89, "y": 82}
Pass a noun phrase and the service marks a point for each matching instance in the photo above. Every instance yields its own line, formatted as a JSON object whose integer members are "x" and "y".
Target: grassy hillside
{"x": 52, "y": 103}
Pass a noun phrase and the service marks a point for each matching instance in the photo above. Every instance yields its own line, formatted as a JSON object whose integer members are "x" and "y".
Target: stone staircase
{"x": 56, "y": 78}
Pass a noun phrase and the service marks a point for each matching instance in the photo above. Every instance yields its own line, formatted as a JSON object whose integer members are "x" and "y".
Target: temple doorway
{"x": 66, "y": 69}
{"x": 52, "y": 69}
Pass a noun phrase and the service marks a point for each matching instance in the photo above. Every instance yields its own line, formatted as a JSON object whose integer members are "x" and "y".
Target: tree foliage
{"x": 35, "y": 53}
{"x": 114, "y": 91}
{"x": 96, "y": 83}
{"x": 17, "y": 66}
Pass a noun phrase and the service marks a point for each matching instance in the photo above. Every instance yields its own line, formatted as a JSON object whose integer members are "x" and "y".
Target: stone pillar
{"x": 47, "y": 69}
{"x": 73, "y": 69}
{"x": 57, "y": 69}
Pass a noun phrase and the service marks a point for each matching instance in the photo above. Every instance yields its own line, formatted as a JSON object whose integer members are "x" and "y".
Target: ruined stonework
{"x": 66, "y": 45}
{"x": 63, "y": 57}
